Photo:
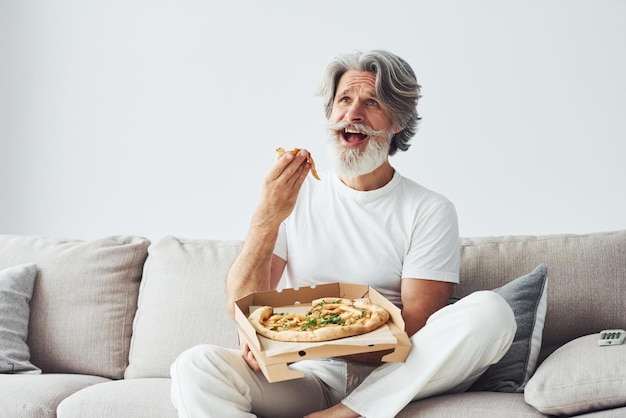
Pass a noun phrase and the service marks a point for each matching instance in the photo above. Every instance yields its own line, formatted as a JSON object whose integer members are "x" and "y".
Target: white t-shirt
{"x": 379, "y": 237}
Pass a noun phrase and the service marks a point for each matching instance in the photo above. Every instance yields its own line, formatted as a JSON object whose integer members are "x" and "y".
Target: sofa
{"x": 94, "y": 325}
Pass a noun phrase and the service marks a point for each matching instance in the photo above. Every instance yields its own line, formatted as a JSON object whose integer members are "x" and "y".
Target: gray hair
{"x": 396, "y": 87}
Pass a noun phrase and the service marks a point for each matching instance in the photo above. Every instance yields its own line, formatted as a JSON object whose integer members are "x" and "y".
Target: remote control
{"x": 612, "y": 337}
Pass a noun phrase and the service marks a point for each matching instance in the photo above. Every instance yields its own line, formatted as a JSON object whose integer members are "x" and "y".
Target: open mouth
{"x": 353, "y": 136}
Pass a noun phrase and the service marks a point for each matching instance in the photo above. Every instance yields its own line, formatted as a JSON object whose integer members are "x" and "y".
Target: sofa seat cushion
{"x": 607, "y": 413}
{"x": 182, "y": 303}
{"x": 132, "y": 398}
{"x": 580, "y": 377}
{"x": 471, "y": 405}
{"x": 84, "y": 300}
{"x": 37, "y": 396}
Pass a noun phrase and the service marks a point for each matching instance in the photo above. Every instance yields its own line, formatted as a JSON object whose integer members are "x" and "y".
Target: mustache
{"x": 364, "y": 129}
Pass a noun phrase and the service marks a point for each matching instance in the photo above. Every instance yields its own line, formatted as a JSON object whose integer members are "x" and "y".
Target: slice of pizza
{"x": 280, "y": 151}
{"x": 328, "y": 319}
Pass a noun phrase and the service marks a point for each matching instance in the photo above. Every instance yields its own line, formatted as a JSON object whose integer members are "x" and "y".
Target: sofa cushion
{"x": 16, "y": 290}
{"x": 132, "y": 398}
{"x": 84, "y": 300}
{"x": 471, "y": 405}
{"x": 580, "y": 377}
{"x": 182, "y": 303}
{"x": 527, "y": 296}
{"x": 37, "y": 396}
{"x": 579, "y": 264}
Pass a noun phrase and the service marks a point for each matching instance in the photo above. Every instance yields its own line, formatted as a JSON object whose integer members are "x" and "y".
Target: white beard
{"x": 354, "y": 162}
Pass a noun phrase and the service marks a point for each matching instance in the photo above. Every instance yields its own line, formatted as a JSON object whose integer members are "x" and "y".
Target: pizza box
{"x": 275, "y": 366}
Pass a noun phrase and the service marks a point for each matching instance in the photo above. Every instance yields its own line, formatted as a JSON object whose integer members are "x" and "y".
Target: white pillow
{"x": 579, "y": 377}
{"x": 84, "y": 300}
{"x": 182, "y": 303}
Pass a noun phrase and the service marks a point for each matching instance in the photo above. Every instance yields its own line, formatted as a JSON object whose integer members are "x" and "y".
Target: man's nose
{"x": 355, "y": 112}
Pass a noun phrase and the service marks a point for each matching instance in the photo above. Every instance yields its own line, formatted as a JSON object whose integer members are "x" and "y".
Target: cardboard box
{"x": 275, "y": 368}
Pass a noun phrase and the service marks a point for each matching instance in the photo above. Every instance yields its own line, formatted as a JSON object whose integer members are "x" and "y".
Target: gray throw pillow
{"x": 16, "y": 289}
{"x": 527, "y": 296}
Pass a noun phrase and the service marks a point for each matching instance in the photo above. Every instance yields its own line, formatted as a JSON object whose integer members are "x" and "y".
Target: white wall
{"x": 161, "y": 117}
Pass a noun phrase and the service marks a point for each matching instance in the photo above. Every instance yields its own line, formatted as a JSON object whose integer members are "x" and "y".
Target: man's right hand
{"x": 281, "y": 186}
{"x": 248, "y": 356}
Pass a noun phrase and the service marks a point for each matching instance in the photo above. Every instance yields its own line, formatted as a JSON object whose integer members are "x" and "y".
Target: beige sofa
{"x": 108, "y": 317}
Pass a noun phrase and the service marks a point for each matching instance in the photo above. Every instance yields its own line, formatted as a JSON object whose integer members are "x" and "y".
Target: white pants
{"x": 457, "y": 344}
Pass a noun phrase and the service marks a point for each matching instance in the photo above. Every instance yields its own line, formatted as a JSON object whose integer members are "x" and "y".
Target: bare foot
{"x": 337, "y": 411}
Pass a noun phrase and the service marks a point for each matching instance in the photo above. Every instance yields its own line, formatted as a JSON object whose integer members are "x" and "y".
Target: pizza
{"x": 328, "y": 319}
{"x": 281, "y": 151}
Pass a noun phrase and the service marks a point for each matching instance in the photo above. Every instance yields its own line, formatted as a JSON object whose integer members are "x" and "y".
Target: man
{"x": 363, "y": 223}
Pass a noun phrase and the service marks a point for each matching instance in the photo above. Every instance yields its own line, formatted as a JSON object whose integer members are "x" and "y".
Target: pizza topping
{"x": 328, "y": 319}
